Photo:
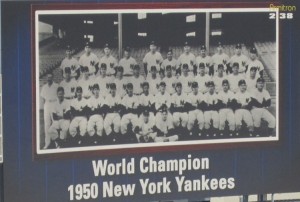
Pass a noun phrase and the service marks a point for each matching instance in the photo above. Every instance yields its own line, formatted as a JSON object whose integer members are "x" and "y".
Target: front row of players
{"x": 161, "y": 118}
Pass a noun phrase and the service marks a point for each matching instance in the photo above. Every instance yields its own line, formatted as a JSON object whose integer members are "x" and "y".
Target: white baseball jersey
{"x": 172, "y": 63}
{"x": 219, "y": 59}
{"x": 137, "y": 83}
{"x": 211, "y": 98}
{"x": 255, "y": 63}
{"x": 195, "y": 99}
{"x": 243, "y": 98}
{"x": 127, "y": 64}
{"x": 234, "y": 81}
{"x": 166, "y": 125}
{"x": 218, "y": 82}
{"x": 112, "y": 101}
{"x": 49, "y": 93}
{"x": 69, "y": 87}
{"x": 179, "y": 100}
{"x": 189, "y": 59}
{"x": 121, "y": 85}
{"x": 153, "y": 59}
{"x": 72, "y": 63}
{"x": 202, "y": 80}
{"x": 79, "y": 104}
{"x": 153, "y": 84}
{"x": 130, "y": 102}
{"x": 90, "y": 61}
{"x": 241, "y": 60}
{"x": 225, "y": 97}
{"x": 146, "y": 100}
{"x": 86, "y": 85}
{"x": 251, "y": 82}
{"x": 60, "y": 108}
{"x": 207, "y": 60}
{"x": 260, "y": 96}
{"x": 94, "y": 102}
{"x": 146, "y": 127}
{"x": 170, "y": 84}
{"x": 110, "y": 62}
{"x": 103, "y": 83}
{"x": 186, "y": 82}
{"x": 161, "y": 99}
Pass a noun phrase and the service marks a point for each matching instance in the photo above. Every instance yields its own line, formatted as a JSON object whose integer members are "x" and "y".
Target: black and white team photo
{"x": 155, "y": 78}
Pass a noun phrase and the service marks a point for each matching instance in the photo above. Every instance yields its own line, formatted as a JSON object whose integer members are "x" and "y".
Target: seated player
{"x": 112, "y": 120}
{"x": 179, "y": 113}
{"x": 153, "y": 79}
{"x": 219, "y": 78}
{"x": 165, "y": 128}
{"x": 202, "y": 78}
{"x": 145, "y": 130}
{"x": 130, "y": 104}
{"x": 68, "y": 84}
{"x": 211, "y": 115}
{"x": 242, "y": 113}
{"x": 95, "y": 112}
{"x": 235, "y": 77}
{"x": 103, "y": 80}
{"x": 170, "y": 80}
{"x": 251, "y": 79}
{"x": 262, "y": 100}
{"x": 61, "y": 119}
{"x": 79, "y": 121}
{"x": 206, "y": 59}
{"x": 162, "y": 98}
{"x": 86, "y": 83}
{"x": 137, "y": 80}
{"x": 186, "y": 79}
{"x": 195, "y": 114}
{"x": 120, "y": 81}
{"x": 109, "y": 60}
{"x": 226, "y": 113}
{"x": 170, "y": 60}
{"x": 147, "y": 101}
{"x": 127, "y": 62}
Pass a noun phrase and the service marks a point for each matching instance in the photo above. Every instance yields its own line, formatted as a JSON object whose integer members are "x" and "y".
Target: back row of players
{"x": 102, "y": 97}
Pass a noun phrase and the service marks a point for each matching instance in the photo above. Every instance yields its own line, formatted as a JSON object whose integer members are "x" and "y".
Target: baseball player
{"x": 220, "y": 58}
{"x": 226, "y": 108}
{"x": 161, "y": 74}
{"x": 162, "y": 98}
{"x": 130, "y": 104}
{"x": 206, "y": 59}
{"x": 187, "y": 58}
{"x": 243, "y": 98}
{"x": 178, "y": 104}
{"x": 69, "y": 84}
{"x": 86, "y": 83}
{"x": 202, "y": 78}
{"x": 109, "y": 60}
{"x": 71, "y": 63}
{"x": 120, "y": 81}
{"x": 262, "y": 100}
{"x": 79, "y": 121}
{"x": 152, "y": 58}
{"x": 254, "y": 62}
{"x": 251, "y": 79}
{"x": 211, "y": 100}
{"x": 103, "y": 80}
{"x": 89, "y": 59}
{"x": 170, "y": 61}
{"x": 61, "y": 119}
{"x": 170, "y": 80}
{"x": 195, "y": 99}
{"x": 146, "y": 131}
{"x": 165, "y": 127}
{"x": 239, "y": 58}
{"x": 219, "y": 78}
{"x": 235, "y": 77}
{"x": 147, "y": 99}
{"x": 187, "y": 79}
{"x": 137, "y": 80}
{"x": 95, "y": 112}
{"x": 49, "y": 96}
{"x": 112, "y": 120}
{"x": 153, "y": 79}
{"x": 127, "y": 62}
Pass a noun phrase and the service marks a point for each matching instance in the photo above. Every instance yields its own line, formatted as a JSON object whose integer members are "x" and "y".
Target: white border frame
{"x": 144, "y": 145}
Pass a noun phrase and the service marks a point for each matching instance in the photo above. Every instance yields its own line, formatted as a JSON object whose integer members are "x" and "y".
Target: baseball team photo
{"x": 130, "y": 79}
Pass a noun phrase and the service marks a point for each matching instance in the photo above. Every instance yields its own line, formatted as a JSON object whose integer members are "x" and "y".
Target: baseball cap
{"x": 127, "y": 49}
{"x": 96, "y": 86}
{"x": 253, "y": 50}
{"x": 185, "y": 66}
{"x": 203, "y": 47}
{"x": 145, "y": 84}
{"x": 78, "y": 88}
{"x": 136, "y": 67}
{"x": 113, "y": 86}
{"x": 153, "y": 68}
{"x": 162, "y": 83}
{"x": 164, "y": 109}
{"x": 186, "y": 43}
{"x": 242, "y": 82}
{"x": 201, "y": 65}
{"x": 85, "y": 69}
{"x": 235, "y": 64}
{"x": 170, "y": 51}
{"x": 195, "y": 84}
{"x": 178, "y": 84}
{"x": 220, "y": 44}
{"x": 260, "y": 80}
{"x": 146, "y": 112}
{"x": 153, "y": 43}
{"x": 106, "y": 45}
{"x": 67, "y": 70}
{"x": 129, "y": 86}
{"x": 253, "y": 68}
{"x": 120, "y": 69}
{"x": 225, "y": 81}
{"x": 220, "y": 66}
{"x": 238, "y": 46}
{"x": 103, "y": 65}
{"x": 68, "y": 47}
{"x": 168, "y": 67}
{"x": 87, "y": 44}
{"x": 210, "y": 83}
{"x": 60, "y": 88}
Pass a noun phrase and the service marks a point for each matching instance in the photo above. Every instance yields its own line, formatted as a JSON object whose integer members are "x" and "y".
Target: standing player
{"x": 226, "y": 108}
{"x": 103, "y": 80}
{"x": 187, "y": 58}
{"x": 109, "y": 60}
{"x": 70, "y": 62}
{"x": 127, "y": 62}
{"x": 137, "y": 80}
{"x": 170, "y": 80}
{"x": 187, "y": 79}
{"x": 49, "y": 96}
{"x": 170, "y": 61}
{"x": 153, "y": 79}
{"x": 239, "y": 58}
{"x": 68, "y": 84}
{"x": 254, "y": 62}
{"x": 219, "y": 78}
{"x": 206, "y": 59}
{"x": 202, "y": 78}
{"x": 112, "y": 120}
{"x": 152, "y": 58}
{"x": 61, "y": 119}
{"x": 211, "y": 114}
{"x": 260, "y": 110}
{"x": 220, "y": 58}
{"x": 89, "y": 59}
{"x": 235, "y": 77}
{"x": 145, "y": 131}
{"x": 79, "y": 121}
{"x": 251, "y": 79}
{"x": 120, "y": 82}
{"x": 86, "y": 83}
{"x": 243, "y": 98}
{"x": 95, "y": 112}
{"x": 195, "y": 99}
